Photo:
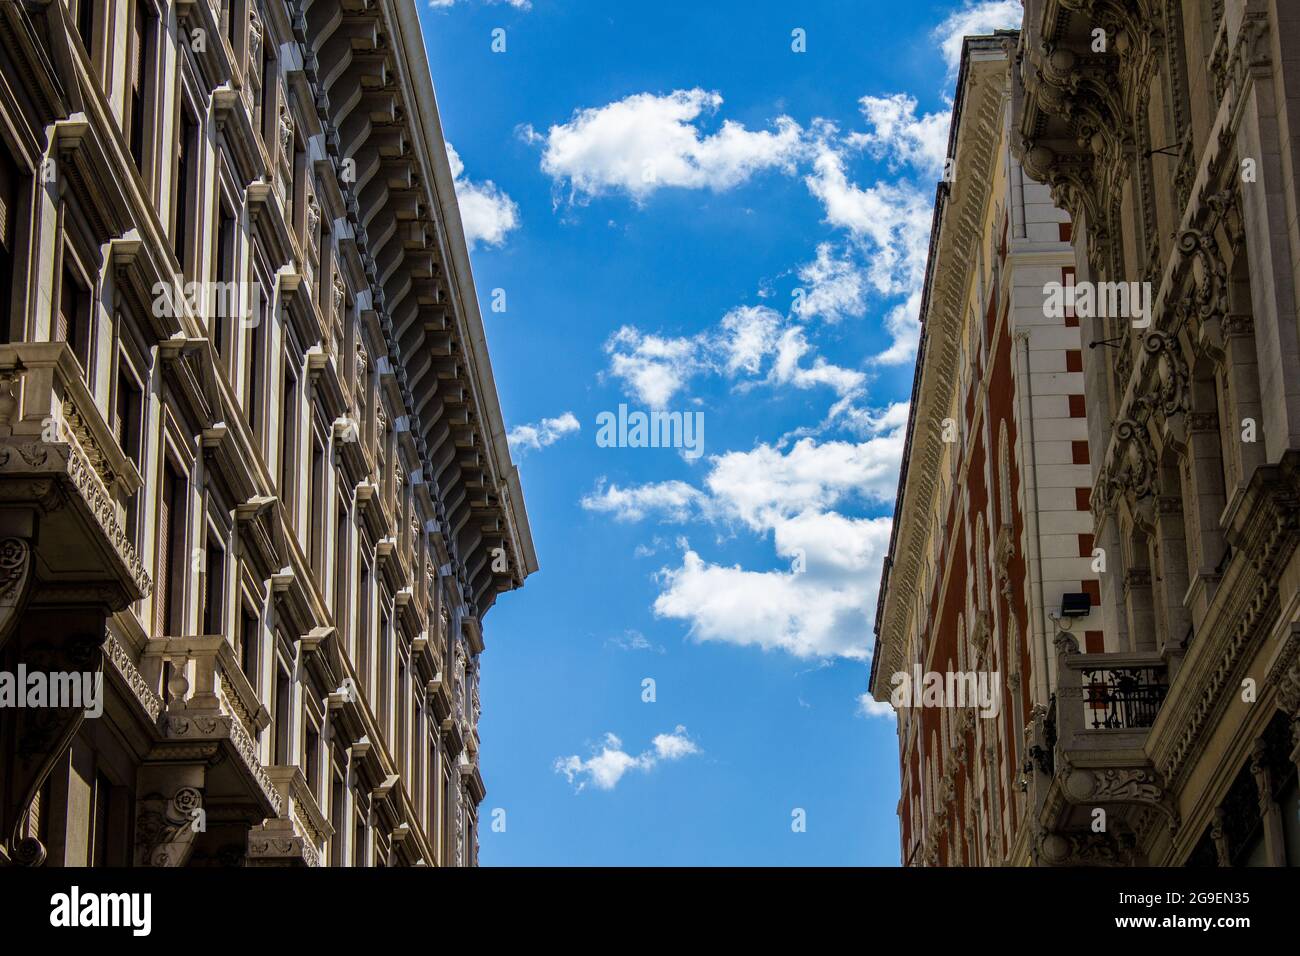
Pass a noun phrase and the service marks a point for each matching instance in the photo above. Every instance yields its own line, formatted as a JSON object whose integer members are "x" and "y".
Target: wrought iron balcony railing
{"x": 1107, "y": 701}
{"x": 1122, "y": 697}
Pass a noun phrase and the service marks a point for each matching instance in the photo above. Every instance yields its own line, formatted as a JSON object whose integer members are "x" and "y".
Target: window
{"x": 282, "y": 717}
{"x": 139, "y": 89}
{"x": 223, "y": 304}
{"x": 72, "y": 322}
{"x": 417, "y": 756}
{"x": 448, "y": 823}
{"x": 431, "y": 798}
{"x": 169, "y": 601}
{"x": 341, "y": 571}
{"x": 229, "y": 17}
{"x": 316, "y": 509}
{"x": 254, "y": 358}
{"x": 296, "y": 214}
{"x": 128, "y": 414}
{"x": 311, "y": 758}
{"x": 126, "y": 422}
{"x": 214, "y": 583}
{"x": 84, "y": 14}
{"x": 246, "y": 648}
{"x": 402, "y": 698}
{"x": 324, "y": 275}
{"x": 363, "y": 627}
{"x": 12, "y": 185}
{"x": 371, "y": 405}
{"x": 266, "y": 106}
{"x": 185, "y": 196}
{"x": 289, "y": 441}
{"x": 382, "y": 678}
{"x": 359, "y": 854}
{"x": 336, "y": 811}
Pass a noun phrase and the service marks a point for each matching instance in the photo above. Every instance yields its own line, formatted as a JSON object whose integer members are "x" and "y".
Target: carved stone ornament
{"x": 1133, "y": 471}
{"x": 254, "y": 38}
{"x": 1087, "y": 849}
{"x": 1169, "y": 373}
{"x": 286, "y": 131}
{"x": 313, "y": 221}
{"x": 15, "y": 581}
{"x": 1119, "y": 785}
{"x": 165, "y": 828}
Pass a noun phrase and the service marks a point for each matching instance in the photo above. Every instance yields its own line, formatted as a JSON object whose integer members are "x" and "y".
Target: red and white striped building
{"x": 992, "y": 524}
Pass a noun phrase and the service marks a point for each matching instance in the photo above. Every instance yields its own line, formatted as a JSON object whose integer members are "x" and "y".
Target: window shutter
{"x": 7, "y": 189}
{"x": 136, "y": 65}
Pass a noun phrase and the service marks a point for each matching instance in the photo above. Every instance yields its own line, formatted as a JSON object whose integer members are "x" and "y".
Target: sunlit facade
{"x": 253, "y": 469}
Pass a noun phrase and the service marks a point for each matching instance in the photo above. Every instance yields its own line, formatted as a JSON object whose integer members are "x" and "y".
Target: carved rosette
{"x": 165, "y": 828}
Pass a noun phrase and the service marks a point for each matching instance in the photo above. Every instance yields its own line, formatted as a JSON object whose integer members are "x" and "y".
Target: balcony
{"x": 299, "y": 834}
{"x": 206, "y": 751}
{"x": 62, "y": 468}
{"x": 1088, "y": 759}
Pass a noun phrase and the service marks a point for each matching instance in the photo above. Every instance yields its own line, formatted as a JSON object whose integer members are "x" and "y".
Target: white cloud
{"x": 517, "y": 4}
{"x": 788, "y": 370}
{"x": 904, "y": 325}
{"x": 824, "y": 610}
{"x": 973, "y": 19}
{"x": 486, "y": 212}
{"x": 645, "y": 142}
{"x": 898, "y": 135}
{"x": 749, "y": 334}
{"x": 824, "y": 603}
{"x": 890, "y": 220}
{"x": 608, "y": 765}
{"x": 766, "y": 485}
{"x": 868, "y": 706}
{"x": 834, "y": 287}
{"x": 546, "y": 432}
{"x": 653, "y": 367}
{"x": 672, "y": 500}
{"x": 633, "y": 640}
{"x": 674, "y": 746}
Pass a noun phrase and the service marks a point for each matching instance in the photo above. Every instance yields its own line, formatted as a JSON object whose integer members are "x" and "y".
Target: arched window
{"x": 981, "y": 566}
{"x": 1004, "y": 475}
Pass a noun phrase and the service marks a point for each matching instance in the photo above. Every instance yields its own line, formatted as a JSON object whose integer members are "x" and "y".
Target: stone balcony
{"x": 1093, "y": 788}
{"x": 207, "y": 755}
{"x": 298, "y": 836}
{"x": 64, "y": 478}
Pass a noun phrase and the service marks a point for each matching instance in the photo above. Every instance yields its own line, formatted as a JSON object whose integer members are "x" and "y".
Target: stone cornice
{"x": 958, "y": 229}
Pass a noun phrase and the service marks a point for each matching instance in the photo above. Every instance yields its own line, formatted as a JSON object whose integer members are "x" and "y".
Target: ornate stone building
{"x": 992, "y": 533}
{"x": 1169, "y": 130}
{"x": 253, "y": 473}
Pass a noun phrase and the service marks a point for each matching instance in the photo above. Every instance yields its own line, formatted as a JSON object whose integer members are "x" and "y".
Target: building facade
{"x": 1154, "y": 716}
{"x": 1171, "y": 134}
{"x": 254, "y": 483}
{"x": 992, "y": 532}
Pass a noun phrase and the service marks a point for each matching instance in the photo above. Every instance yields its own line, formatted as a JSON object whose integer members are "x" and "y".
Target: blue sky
{"x": 685, "y": 214}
